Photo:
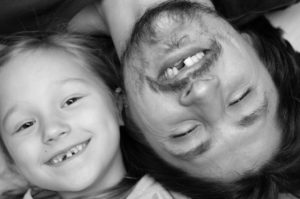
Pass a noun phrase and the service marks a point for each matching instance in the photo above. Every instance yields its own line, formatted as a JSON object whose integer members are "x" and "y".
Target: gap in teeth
{"x": 68, "y": 154}
{"x": 173, "y": 71}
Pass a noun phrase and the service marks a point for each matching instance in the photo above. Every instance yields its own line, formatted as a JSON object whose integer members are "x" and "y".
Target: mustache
{"x": 179, "y": 85}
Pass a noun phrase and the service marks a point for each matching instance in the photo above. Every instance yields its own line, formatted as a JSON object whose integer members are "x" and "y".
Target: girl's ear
{"x": 14, "y": 176}
{"x": 120, "y": 101}
{"x": 1, "y": 46}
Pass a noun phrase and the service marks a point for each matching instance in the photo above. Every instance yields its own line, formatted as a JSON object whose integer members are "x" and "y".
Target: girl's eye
{"x": 25, "y": 125}
{"x": 71, "y": 101}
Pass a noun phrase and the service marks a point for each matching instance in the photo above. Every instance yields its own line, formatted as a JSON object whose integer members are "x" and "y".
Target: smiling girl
{"x": 60, "y": 117}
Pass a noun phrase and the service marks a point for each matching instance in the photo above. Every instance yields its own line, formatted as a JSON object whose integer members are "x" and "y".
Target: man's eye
{"x": 171, "y": 72}
{"x": 240, "y": 98}
{"x": 25, "y": 125}
{"x": 71, "y": 101}
{"x": 186, "y": 133}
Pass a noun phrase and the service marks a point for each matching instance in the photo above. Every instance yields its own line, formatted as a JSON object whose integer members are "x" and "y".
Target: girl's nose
{"x": 204, "y": 97}
{"x": 54, "y": 130}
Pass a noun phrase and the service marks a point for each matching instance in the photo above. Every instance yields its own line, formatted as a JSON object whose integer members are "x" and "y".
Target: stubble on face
{"x": 156, "y": 28}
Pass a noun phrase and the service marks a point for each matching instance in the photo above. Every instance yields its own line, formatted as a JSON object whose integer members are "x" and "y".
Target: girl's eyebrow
{"x": 8, "y": 114}
{"x": 251, "y": 118}
{"x": 72, "y": 79}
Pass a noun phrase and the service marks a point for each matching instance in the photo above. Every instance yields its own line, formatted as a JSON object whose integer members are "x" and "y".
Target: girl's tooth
{"x": 74, "y": 150}
{"x": 69, "y": 154}
{"x": 188, "y": 62}
{"x": 79, "y": 147}
{"x": 55, "y": 161}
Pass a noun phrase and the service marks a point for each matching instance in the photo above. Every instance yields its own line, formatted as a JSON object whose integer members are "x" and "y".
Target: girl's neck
{"x": 110, "y": 178}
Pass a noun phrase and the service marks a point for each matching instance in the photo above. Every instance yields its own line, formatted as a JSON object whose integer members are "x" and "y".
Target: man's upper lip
{"x": 65, "y": 149}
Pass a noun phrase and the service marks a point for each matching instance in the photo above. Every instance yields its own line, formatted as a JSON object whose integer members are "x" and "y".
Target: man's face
{"x": 202, "y": 98}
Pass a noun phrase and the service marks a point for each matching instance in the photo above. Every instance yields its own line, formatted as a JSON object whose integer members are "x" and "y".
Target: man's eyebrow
{"x": 251, "y": 118}
{"x": 191, "y": 154}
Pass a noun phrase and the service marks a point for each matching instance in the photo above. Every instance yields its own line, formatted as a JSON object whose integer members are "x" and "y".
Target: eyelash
{"x": 182, "y": 135}
{"x": 72, "y": 100}
{"x": 25, "y": 125}
{"x": 241, "y": 98}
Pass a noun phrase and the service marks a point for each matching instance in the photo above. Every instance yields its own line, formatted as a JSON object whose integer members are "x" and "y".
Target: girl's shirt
{"x": 40, "y": 194}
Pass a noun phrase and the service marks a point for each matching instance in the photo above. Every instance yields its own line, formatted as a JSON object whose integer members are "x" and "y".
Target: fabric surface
{"x": 290, "y": 27}
{"x": 27, "y": 15}
{"x": 241, "y": 12}
{"x": 16, "y": 15}
{"x": 40, "y": 194}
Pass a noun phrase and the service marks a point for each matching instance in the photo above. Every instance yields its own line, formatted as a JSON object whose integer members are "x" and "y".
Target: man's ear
{"x": 248, "y": 38}
{"x": 1, "y": 46}
{"x": 120, "y": 102}
{"x": 208, "y": 3}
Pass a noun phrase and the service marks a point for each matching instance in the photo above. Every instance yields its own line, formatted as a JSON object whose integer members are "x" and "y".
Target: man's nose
{"x": 55, "y": 129}
{"x": 204, "y": 97}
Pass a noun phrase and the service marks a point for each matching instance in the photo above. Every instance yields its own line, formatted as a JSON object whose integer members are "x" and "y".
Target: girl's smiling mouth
{"x": 68, "y": 154}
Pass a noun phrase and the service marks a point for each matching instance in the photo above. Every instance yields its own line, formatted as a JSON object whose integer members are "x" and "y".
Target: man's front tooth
{"x": 175, "y": 71}
{"x": 200, "y": 55}
{"x": 169, "y": 72}
{"x": 188, "y": 62}
{"x": 195, "y": 59}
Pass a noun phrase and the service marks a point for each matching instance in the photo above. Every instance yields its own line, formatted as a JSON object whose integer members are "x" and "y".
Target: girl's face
{"x": 59, "y": 123}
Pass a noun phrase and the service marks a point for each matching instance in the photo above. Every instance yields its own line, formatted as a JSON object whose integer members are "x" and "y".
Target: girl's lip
{"x": 63, "y": 152}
